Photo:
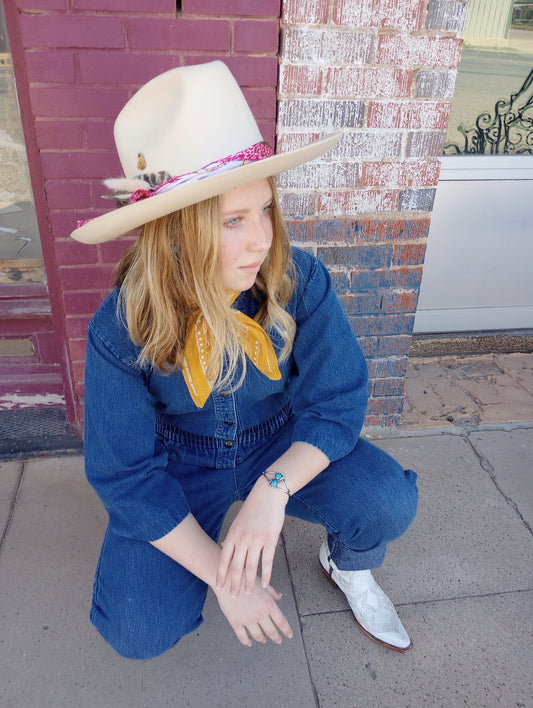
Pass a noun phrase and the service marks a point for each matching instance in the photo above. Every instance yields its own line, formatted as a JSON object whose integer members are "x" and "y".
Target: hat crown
{"x": 183, "y": 120}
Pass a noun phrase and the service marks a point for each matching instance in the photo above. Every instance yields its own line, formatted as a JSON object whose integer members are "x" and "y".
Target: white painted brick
{"x": 320, "y": 176}
{"x": 368, "y": 146}
{"x": 320, "y": 46}
{"x": 320, "y": 113}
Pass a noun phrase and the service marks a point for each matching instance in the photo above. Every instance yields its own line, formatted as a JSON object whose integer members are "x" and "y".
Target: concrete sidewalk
{"x": 462, "y": 579}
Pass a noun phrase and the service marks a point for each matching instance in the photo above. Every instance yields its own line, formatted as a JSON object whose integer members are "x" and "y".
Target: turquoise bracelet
{"x": 278, "y": 481}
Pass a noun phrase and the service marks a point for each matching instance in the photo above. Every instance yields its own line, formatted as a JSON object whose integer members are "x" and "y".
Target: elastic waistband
{"x": 249, "y": 436}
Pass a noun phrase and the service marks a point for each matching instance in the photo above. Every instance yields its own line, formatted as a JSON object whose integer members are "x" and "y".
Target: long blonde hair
{"x": 173, "y": 270}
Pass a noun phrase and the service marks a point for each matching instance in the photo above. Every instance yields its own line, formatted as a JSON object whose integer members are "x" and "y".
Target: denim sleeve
{"x": 124, "y": 462}
{"x": 329, "y": 388}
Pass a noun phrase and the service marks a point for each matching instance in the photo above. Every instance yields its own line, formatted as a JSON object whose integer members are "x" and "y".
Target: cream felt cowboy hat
{"x": 185, "y": 136}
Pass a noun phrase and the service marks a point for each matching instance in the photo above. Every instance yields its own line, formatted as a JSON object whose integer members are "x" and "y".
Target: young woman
{"x": 222, "y": 369}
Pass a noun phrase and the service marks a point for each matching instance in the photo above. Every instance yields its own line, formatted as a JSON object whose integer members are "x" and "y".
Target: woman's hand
{"x": 253, "y": 534}
{"x": 254, "y": 614}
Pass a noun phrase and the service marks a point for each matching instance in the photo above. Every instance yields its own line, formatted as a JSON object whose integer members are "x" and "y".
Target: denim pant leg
{"x": 143, "y": 601}
{"x": 364, "y": 501}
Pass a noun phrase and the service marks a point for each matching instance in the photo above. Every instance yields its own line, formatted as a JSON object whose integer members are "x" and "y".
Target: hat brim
{"x": 128, "y": 218}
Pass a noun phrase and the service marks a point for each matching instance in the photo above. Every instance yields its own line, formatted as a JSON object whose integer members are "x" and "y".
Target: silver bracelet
{"x": 278, "y": 481}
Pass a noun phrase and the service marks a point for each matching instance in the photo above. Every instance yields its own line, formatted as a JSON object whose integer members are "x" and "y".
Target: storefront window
{"x": 20, "y": 247}
{"x": 492, "y": 108}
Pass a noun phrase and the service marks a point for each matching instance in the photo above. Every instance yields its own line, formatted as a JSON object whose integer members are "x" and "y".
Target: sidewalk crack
{"x": 12, "y": 505}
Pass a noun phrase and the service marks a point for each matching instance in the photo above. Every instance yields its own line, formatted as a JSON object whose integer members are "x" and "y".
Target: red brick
{"x": 77, "y": 101}
{"x": 256, "y": 36}
{"x": 241, "y": 8}
{"x": 71, "y": 31}
{"x": 365, "y": 82}
{"x": 394, "y": 345}
{"x": 122, "y": 67}
{"x": 400, "y": 174}
{"x": 357, "y": 202}
{"x": 388, "y": 387}
{"x": 408, "y": 50}
{"x": 68, "y": 194}
{"x": 179, "y": 34}
{"x": 309, "y": 12}
{"x": 409, "y": 254}
{"x": 393, "y": 14}
{"x": 73, "y": 253}
{"x": 395, "y": 302}
{"x": 426, "y": 115}
{"x": 387, "y": 405}
{"x": 65, "y": 134}
{"x": 50, "y": 67}
{"x": 295, "y": 80}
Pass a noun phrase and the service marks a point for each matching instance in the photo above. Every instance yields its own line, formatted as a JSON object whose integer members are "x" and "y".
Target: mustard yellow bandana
{"x": 197, "y": 353}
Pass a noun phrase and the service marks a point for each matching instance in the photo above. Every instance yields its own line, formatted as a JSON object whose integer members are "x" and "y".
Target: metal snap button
{"x": 229, "y": 443}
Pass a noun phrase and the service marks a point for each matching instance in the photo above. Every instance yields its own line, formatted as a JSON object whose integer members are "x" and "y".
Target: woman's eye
{"x": 267, "y": 209}
{"x": 232, "y": 222}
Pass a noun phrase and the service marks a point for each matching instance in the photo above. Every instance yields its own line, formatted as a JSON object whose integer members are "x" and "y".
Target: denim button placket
{"x": 226, "y": 428}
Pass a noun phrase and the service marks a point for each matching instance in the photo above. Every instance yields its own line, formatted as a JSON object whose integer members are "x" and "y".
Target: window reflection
{"x": 492, "y": 108}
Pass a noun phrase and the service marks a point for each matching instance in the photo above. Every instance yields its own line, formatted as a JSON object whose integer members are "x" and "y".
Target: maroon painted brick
{"x": 112, "y": 251}
{"x": 408, "y": 114}
{"x": 100, "y": 135}
{"x": 68, "y": 194}
{"x": 71, "y": 31}
{"x": 262, "y": 102}
{"x": 74, "y": 253}
{"x": 54, "y": 67}
{"x": 86, "y": 277}
{"x": 82, "y": 303}
{"x": 399, "y": 302}
{"x": 311, "y": 12}
{"x": 409, "y": 254}
{"x": 254, "y": 71}
{"x": 241, "y": 8}
{"x": 78, "y": 101}
{"x": 63, "y": 222}
{"x": 75, "y": 164}
{"x": 126, "y": 6}
{"x": 77, "y": 327}
{"x": 122, "y": 67}
{"x": 41, "y": 4}
{"x": 65, "y": 134}
{"x": 256, "y": 36}
{"x": 179, "y": 34}
{"x": 77, "y": 348}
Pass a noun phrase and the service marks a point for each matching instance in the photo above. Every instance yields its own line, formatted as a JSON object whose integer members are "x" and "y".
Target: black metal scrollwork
{"x": 508, "y": 132}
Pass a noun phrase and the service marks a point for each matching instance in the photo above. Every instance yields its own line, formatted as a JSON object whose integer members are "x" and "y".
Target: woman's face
{"x": 246, "y": 228}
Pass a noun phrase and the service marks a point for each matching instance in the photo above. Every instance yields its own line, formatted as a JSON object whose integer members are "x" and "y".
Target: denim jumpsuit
{"x": 153, "y": 457}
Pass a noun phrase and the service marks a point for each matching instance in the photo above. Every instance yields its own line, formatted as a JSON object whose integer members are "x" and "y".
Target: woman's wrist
{"x": 276, "y": 485}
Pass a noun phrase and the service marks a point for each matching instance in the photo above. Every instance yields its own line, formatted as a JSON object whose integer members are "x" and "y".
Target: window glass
{"x": 20, "y": 246}
{"x": 492, "y": 108}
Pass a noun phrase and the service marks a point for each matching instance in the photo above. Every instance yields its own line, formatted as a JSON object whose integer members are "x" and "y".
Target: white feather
{"x": 123, "y": 184}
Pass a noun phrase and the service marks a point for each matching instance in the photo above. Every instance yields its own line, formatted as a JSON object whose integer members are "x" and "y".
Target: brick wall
{"x": 382, "y": 72}
{"x": 78, "y": 62}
